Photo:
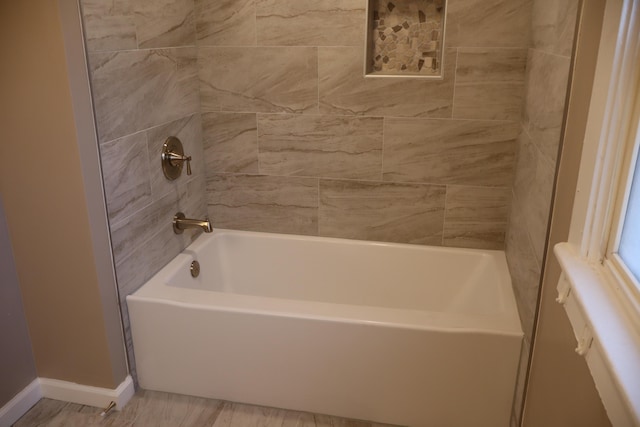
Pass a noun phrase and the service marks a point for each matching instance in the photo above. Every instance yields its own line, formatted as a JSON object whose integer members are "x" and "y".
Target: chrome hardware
{"x": 195, "y": 269}
{"x": 180, "y": 223}
{"x": 173, "y": 158}
{"x": 110, "y": 407}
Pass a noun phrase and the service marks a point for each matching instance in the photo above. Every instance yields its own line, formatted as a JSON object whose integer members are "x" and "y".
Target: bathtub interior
{"x": 339, "y": 271}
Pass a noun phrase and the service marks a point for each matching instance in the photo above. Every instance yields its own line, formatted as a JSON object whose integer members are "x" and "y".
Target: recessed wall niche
{"x": 405, "y": 38}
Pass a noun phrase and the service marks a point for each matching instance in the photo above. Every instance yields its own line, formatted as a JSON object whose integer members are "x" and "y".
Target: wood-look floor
{"x": 154, "y": 409}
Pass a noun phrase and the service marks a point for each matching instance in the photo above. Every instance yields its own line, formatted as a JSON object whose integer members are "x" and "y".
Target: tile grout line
{"x": 318, "y": 79}
{"x": 444, "y": 211}
{"x": 258, "y": 144}
{"x": 453, "y": 98}
{"x": 384, "y": 123}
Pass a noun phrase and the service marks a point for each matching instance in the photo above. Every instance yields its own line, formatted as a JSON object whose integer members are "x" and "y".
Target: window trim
{"x": 626, "y": 165}
{"x": 601, "y": 304}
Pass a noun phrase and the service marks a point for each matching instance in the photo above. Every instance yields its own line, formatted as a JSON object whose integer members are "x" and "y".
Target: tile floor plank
{"x": 156, "y": 409}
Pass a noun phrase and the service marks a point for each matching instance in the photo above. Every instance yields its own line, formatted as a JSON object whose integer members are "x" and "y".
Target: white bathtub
{"x": 392, "y": 333}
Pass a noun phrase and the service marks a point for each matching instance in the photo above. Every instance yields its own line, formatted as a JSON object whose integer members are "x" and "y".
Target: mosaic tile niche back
{"x": 405, "y": 37}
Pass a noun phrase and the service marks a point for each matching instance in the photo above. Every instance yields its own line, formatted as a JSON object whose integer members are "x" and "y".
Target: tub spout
{"x": 180, "y": 223}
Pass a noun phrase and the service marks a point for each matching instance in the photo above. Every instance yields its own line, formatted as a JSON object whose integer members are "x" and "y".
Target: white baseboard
{"x": 67, "y": 392}
{"x": 87, "y": 395}
{"x": 20, "y": 404}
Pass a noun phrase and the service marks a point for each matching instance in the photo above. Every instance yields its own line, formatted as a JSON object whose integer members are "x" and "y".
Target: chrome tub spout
{"x": 180, "y": 223}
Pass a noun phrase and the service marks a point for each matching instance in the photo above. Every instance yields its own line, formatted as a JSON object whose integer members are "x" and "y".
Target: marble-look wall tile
{"x": 148, "y": 235}
{"x": 467, "y": 152}
{"x": 390, "y": 212}
{"x": 259, "y": 79}
{"x": 130, "y": 234}
{"x": 126, "y": 177}
{"x": 135, "y": 90}
{"x": 489, "y": 83}
{"x": 164, "y": 23}
{"x": 344, "y": 90}
{"x": 230, "y": 142}
{"x": 226, "y": 22}
{"x": 263, "y": 203}
{"x": 310, "y": 22}
{"x": 109, "y": 24}
{"x": 523, "y": 266}
{"x": 491, "y": 65}
{"x": 482, "y": 23}
{"x": 554, "y": 25}
{"x": 488, "y": 101}
{"x": 533, "y": 186}
{"x": 476, "y": 217}
{"x": 189, "y": 131}
{"x": 321, "y": 146}
{"x": 547, "y": 79}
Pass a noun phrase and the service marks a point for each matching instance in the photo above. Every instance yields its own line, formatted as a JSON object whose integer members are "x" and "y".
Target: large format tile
{"x": 310, "y": 22}
{"x": 498, "y": 23}
{"x": 109, "y": 24}
{"x": 533, "y": 188}
{"x": 158, "y": 409}
{"x": 344, "y": 89}
{"x": 135, "y": 90}
{"x": 164, "y": 23}
{"x": 263, "y": 203}
{"x": 128, "y": 235}
{"x": 554, "y": 25}
{"x": 476, "y": 217}
{"x": 189, "y": 131}
{"x": 230, "y": 142}
{"x": 125, "y": 173}
{"x": 547, "y": 79}
{"x": 488, "y": 101}
{"x": 489, "y": 83}
{"x": 259, "y": 79}
{"x": 491, "y": 65}
{"x": 146, "y": 243}
{"x": 323, "y": 146}
{"x": 449, "y": 151}
{"x": 226, "y": 22}
{"x": 390, "y": 212}
{"x": 523, "y": 266}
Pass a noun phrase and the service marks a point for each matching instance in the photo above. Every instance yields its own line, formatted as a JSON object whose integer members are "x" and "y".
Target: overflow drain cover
{"x": 195, "y": 269}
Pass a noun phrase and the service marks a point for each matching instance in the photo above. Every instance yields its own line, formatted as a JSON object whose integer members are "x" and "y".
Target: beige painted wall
{"x": 17, "y": 368}
{"x": 42, "y": 187}
{"x": 561, "y": 391}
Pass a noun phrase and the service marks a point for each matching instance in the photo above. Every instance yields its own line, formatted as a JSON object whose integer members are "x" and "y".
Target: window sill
{"x": 606, "y": 334}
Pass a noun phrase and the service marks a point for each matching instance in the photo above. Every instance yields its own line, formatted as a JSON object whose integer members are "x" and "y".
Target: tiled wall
{"x": 297, "y": 140}
{"x": 287, "y": 135}
{"x": 144, "y": 75}
{"x": 548, "y": 64}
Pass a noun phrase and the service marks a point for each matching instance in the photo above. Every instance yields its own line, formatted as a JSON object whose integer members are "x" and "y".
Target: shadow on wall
{"x": 17, "y": 367}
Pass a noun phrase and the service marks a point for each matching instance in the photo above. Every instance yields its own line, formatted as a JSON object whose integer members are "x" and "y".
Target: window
{"x": 622, "y": 257}
{"x": 629, "y": 248}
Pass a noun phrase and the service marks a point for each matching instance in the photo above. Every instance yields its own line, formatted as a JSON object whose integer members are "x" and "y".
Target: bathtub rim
{"x": 156, "y": 290}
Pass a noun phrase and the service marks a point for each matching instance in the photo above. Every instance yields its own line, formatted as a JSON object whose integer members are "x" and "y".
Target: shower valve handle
{"x": 175, "y": 158}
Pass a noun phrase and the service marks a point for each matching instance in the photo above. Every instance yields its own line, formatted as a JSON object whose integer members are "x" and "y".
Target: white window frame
{"x": 599, "y": 294}
{"x": 612, "y": 261}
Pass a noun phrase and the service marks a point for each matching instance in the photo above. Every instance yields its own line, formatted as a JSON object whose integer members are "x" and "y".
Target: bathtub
{"x": 392, "y": 333}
